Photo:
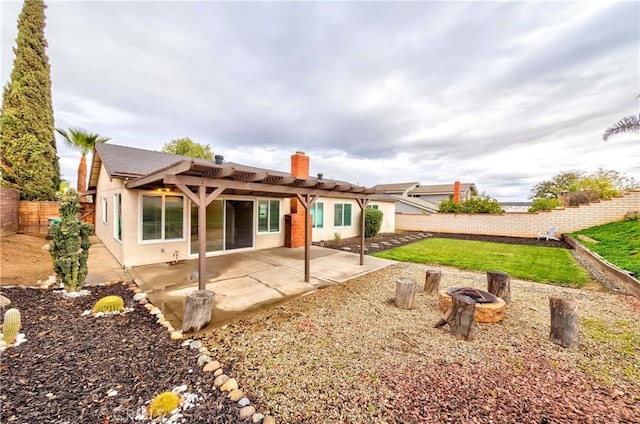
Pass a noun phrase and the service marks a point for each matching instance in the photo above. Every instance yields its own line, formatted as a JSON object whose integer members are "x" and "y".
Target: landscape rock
{"x": 269, "y": 420}
{"x": 257, "y": 418}
{"x": 230, "y": 384}
{"x": 244, "y": 402}
{"x": 203, "y": 359}
{"x": 220, "y": 380}
{"x": 176, "y": 335}
{"x": 143, "y": 302}
{"x": 195, "y": 345}
{"x": 246, "y": 412}
{"x": 4, "y": 301}
{"x": 235, "y": 395}
{"x": 218, "y": 372}
{"x": 211, "y": 366}
{"x": 139, "y": 296}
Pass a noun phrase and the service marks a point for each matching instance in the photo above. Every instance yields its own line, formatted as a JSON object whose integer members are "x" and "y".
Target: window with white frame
{"x": 342, "y": 215}
{"x": 162, "y": 217}
{"x": 268, "y": 216}
{"x": 117, "y": 216}
{"x": 373, "y": 206}
{"x": 317, "y": 212}
{"x": 104, "y": 210}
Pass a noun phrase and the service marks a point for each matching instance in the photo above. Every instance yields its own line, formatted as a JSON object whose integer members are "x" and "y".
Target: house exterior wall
{"x": 524, "y": 224}
{"x": 403, "y": 208}
{"x": 131, "y": 251}
{"x": 388, "y": 215}
{"x": 105, "y": 216}
{"x": 329, "y": 230}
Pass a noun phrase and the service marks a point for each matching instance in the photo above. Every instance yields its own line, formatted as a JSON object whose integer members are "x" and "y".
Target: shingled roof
{"x": 441, "y": 188}
{"x": 394, "y": 187}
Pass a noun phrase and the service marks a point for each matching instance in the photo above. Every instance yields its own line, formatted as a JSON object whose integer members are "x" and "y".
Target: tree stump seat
{"x": 485, "y": 312}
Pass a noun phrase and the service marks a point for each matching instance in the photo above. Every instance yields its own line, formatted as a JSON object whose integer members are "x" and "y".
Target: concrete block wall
{"x": 523, "y": 224}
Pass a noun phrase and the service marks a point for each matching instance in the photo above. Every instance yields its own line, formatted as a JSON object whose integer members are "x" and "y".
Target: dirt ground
{"x": 23, "y": 260}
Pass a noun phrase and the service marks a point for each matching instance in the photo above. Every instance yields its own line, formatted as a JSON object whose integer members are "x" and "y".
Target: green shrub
{"x": 475, "y": 204}
{"x": 372, "y": 221}
{"x": 544, "y": 204}
{"x": 70, "y": 244}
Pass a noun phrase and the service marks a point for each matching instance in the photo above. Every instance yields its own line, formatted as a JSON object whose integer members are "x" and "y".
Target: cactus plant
{"x": 163, "y": 404}
{"x": 109, "y": 304}
{"x": 70, "y": 244}
{"x": 11, "y": 325}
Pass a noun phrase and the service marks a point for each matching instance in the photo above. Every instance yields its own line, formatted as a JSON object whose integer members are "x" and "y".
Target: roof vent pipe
{"x": 319, "y": 176}
{"x": 219, "y": 159}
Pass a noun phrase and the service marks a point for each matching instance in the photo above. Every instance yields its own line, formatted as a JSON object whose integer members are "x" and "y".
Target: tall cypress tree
{"x": 27, "y": 139}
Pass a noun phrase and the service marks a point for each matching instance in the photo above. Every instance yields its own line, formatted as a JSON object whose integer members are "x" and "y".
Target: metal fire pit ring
{"x": 480, "y": 296}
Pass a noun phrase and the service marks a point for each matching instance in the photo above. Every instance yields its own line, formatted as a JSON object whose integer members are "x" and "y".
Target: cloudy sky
{"x": 503, "y": 94}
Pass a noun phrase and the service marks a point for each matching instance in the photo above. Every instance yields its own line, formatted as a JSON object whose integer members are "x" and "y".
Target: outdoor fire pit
{"x": 489, "y": 308}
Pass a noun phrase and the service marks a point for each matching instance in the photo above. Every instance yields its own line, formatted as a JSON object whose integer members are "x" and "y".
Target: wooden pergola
{"x": 203, "y": 182}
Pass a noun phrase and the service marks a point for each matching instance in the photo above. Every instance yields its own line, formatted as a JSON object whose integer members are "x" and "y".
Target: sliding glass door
{"x": 229, "y": 225}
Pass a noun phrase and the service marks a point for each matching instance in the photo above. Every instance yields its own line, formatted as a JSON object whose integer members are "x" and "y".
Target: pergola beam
{"x": 187, "y": 180}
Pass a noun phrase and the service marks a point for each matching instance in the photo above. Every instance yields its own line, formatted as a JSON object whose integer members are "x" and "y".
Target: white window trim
{"x": 257, "y": 214}
{"x": 105, "y": 210}
{"x": 162, "y": 218}
{"x": 334, "y": 218}
{"x": 324, "y": 211}
{"x": 117, "y": 202}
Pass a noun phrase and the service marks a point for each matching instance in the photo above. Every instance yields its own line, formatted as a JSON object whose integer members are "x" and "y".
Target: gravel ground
{"x": 342, "y": 354}
{"x": 347, "y": 354}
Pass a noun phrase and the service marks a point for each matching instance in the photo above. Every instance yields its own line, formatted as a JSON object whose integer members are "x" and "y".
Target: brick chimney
{"x": 294, "y": 222}
{"x": 300, "y": 165}
{"x": 456, "y": 192}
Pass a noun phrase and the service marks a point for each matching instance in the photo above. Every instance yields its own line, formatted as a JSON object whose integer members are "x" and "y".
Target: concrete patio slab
{"x": 248, "y": 281}
{"x": 102, "y": 266}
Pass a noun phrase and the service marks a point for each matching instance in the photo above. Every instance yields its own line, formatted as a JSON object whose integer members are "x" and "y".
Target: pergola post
{"x": 199, "y": 304}
{"x": 363, "y": 206}
{"x": 307, "y": 201}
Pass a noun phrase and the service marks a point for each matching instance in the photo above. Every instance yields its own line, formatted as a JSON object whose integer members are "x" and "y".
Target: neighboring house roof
{"x": 394, "y": 187}
{"x": 441, "y": 189}
{"x": 425, "y": 205}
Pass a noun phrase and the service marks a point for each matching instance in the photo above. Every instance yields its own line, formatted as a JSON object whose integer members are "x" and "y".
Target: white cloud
{"x": 503, "y": 94}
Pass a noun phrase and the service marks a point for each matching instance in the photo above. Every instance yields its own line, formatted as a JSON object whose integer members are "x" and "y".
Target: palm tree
{"x": 628, "y": 124}
{"x": 83, "y": 141}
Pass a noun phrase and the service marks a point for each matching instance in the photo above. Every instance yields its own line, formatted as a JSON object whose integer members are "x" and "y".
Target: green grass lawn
{"x": 618, "y": 243}
{"x": 542, "y": 264}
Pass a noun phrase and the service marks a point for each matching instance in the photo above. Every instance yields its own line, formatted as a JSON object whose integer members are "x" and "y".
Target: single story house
{"x": 414, "y": 198}
{"x": 148, "y": 205}
{"x": 436, "y": 193}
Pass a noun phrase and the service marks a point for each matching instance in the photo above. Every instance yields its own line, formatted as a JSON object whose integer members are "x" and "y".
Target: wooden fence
{"x": 34, "y": 217}
{"x": 9, "y": 200}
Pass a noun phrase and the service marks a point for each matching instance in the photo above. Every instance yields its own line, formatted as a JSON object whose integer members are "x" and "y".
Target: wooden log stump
{"x": 499, "y": 283}
{"x": 197, "y": 311}
{"x": 432, "y": 281}
{"x": 405, "y": 293}
{"x": 462, "y": 318}
{"x": 564, "y": 321}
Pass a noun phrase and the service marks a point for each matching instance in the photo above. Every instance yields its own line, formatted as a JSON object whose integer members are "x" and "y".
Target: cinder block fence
{"x": 523, "y": 224}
